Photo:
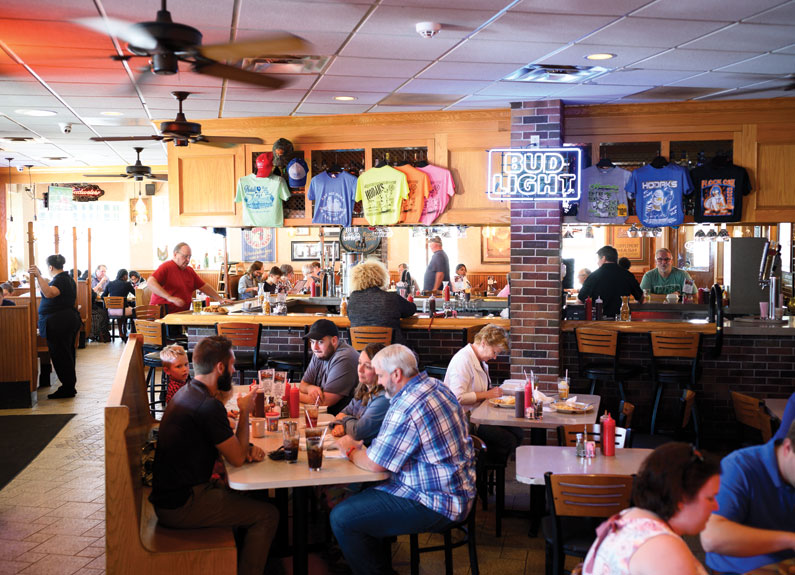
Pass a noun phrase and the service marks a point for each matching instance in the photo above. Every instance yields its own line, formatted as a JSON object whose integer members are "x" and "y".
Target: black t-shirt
{"x": 610, "y": 282}
{"x": 438, "y": 263}
{"x": 64, "y": 300}
{"x": 192, "y": 426}
{"x": 118, "y": 288}
{"x": 720, "y": 187}
{"x": 8, "y": 302}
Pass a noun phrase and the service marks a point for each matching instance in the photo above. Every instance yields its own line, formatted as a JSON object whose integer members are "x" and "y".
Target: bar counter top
{"x": 739, "y": 326}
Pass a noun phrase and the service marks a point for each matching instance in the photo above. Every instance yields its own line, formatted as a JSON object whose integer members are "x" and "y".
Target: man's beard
{"x": 225, "y": 380}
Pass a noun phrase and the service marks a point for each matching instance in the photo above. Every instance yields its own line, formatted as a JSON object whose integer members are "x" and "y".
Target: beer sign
{"x": 530, "y": 174}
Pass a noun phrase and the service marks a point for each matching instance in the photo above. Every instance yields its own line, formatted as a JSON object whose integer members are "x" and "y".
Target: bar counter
{"x": 738, "y": 326}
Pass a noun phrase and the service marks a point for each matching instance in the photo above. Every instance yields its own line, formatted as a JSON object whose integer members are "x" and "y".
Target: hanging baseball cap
{"x": 296, "y": 173}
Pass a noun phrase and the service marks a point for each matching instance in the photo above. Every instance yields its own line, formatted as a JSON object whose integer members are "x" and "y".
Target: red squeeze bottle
{"x": 528, "y": 394}
{"x": 608, "y": 436}
{"x": 295, "y": 401}
{"x": 447, "y": 292}
{"x": 588, "y": 309}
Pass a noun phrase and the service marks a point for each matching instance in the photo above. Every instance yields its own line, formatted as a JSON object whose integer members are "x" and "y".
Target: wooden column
{"x": 535, "y": 255}
{"x": 89, "y": 258}
{"x": 3, "y": 230}
{"x": 33, "y": 311}
{"x": 57, "y": 241}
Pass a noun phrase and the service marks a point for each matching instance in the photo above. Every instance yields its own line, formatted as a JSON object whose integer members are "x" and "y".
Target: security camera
{"x": 66, "y": 128}
{"x": 20, "y": 168}
{"x": 428, "y": 29}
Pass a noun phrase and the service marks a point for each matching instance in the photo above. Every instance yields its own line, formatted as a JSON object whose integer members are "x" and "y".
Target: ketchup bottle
{"x": 446, "y": 292}
{"x": 588, "y": 309}
{"x": 608, "y": 435}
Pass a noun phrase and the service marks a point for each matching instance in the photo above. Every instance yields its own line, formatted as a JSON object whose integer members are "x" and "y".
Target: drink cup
{"x": 290, "y": 435}
{"x": 257, "y": 427}
{"x": 563, "y": 389}
{"x": 311, "y": 412}
{"x": 314, "y": 453}
{"x": 259, "y": 404}
{"x": 313, "y": 432}
{"x": 197, "y": 306}
{"x": 272, "y": 418}
{"x": 779, "y": 313}
{"x": 519, "y": 405}
{"x": 764, "y": 309}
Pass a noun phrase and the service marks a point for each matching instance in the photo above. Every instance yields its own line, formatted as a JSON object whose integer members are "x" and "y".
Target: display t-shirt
{"x": 333, "y": 196}
{"x": 442, "y": 189}
{"x": 720, "y": 189}
{"x": 179, "y": 283}
{"x": 419, "y": 188}
{"x": 658, "y": 194}
{"x": 604, "y": 197}
{"x": 262, "y": 200}
{"x": 382, "y": 191}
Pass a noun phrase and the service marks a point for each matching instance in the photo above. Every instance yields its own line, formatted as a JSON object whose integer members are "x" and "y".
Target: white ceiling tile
{"x": 352, "y": 84}
{"x": 695, "y": 60}
{"x": 322, "y": 42}
{"x": 408, "y": 47}
{"x": 196, "y": 13}
{"x": 17, "y": 33}
{"x": 252, "y": 95}
{"x": 654, "y": 32}
{"x": 261, "y": 109}
{"x": 762, "y": 93}
{"x": 17, "y": 88}
{"x": 401, "y": 20}
{"x": 780, "y": 64}
{"x": 748, "y": 38}
{"x": 188, "y": 106}
{"x": 520, "y": 90}
{"x": 333, "y": 108}
{"x": 642, "y": 77}
{"x": 445, "y": 70}
{"x": 395, "y": 109}
{"x": 552, "y": 28}
{"x": 599, "y": 91}
{"x": 612, "y": 8}
{"x": 320, "y": 97}
{"x": 492, "y": 5}
{"x": 265, "y": 15}
{"x": 478, "y": 102}
{"x": 721, "y": 80}
{"x": 377, "y": 67}
{"x": 462, "y": 87}
{"x": 783, "y": 14}
{"x": 575, "y": 55}
{"x": 725, "y": 10}
{"x": 520, "y": 53}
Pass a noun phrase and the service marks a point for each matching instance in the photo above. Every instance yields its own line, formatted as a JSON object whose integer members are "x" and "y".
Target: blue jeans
{"x": 361, "y": 521}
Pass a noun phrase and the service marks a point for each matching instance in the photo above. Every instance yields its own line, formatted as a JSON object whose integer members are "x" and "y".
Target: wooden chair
{"x": 598, "y": 355}
{"x": 148, "y": 312}
{"x": 364, "y": 335}
{"x": 579, "y": 499}
{"x": 674, "y": 360}
{"x": 567, "y": 434}
{"x": 467, "y": 527}
{"x": 135, "y": 542}
{"x": 245, "y": 339}
{"x": 625, "y": 412}
{"x": 115, "y": 307}
{"x": 751, "y": 412}
{"x": 681, "y": 433}
{"x": 154, "y": 339}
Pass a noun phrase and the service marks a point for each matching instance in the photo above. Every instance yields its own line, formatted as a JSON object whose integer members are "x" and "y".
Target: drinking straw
{"x": 308, "y": 419}
{"x": 323, "y": 437}
{"x": 567, "y": 375}
{"x": 317, "y": 399}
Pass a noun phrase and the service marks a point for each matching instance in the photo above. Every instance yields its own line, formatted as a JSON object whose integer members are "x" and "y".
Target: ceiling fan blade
{"x": 126, "y": 138}
{"x": 226, "y": 140}
{"x": 274, "y": 44}
{"x": 106, "y": 176}
{"x": 237, "y": 75}
{"x": 129, "y": 32}
{"x": 158, "y": 177}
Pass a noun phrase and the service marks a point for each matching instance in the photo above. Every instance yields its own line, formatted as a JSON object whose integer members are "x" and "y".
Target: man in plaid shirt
{"x": 424, "y": 442}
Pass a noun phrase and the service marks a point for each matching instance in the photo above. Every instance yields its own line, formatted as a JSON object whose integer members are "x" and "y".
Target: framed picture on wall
{"x": 310, "y": 251}
{"x": 495, "y": 245}
{"x": 259, "y": 244}
{"x": 636, "y": 249}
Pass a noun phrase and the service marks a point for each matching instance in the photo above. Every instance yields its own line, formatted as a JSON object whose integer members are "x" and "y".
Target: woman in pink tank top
{"x": 674, "y": 495}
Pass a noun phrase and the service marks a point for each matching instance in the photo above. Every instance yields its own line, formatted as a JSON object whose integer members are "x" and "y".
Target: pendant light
{"x": 140, "y": 209}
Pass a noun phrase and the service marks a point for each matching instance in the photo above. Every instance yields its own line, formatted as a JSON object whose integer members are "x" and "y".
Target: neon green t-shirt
{"x": 382, "y": 191}
{"x": 262, "y": 200}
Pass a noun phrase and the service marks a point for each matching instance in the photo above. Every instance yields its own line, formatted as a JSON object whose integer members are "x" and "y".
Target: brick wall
{"x": 535, "y": 255}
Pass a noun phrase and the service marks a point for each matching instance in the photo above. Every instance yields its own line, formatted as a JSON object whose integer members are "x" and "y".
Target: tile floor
{"x": 52, "y": 515}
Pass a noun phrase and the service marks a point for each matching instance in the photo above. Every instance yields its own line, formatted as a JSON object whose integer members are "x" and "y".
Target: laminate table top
{"x": 487, "y": 414}
{"x": 532, "y": 461}
{"x": 776, "y": 407}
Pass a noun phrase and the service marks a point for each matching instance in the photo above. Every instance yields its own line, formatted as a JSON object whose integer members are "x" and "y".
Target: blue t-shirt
{"x": 333, "y": 195}
{"x": 752, "y": 492}
{"x": 658, "y": 194}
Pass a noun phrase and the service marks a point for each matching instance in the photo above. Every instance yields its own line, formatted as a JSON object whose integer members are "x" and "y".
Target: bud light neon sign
{"x": 529, "y": 174}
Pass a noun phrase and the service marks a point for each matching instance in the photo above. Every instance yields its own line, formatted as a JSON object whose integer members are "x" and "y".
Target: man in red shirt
{"x": 174, "y": 282}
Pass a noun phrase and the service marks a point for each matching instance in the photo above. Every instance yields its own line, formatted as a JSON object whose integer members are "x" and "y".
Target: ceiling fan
{"x": 167, "y": 43}
{"x": 137, "y": 171}
{"x": 182, "y": 132}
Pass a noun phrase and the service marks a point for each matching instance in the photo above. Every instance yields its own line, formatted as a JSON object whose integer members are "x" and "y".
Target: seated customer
{"x": 755, "y": 522}
{"x": 674, "y": 494}
{"x": 193, "y": 430}
{"x": 665, "y": 278}
{"x": 468, "y": 378}
{"x": 425, "y": 445}
{"x": 3, "y": 300}
{"x": 175, "y": 368}
{"x": 120, "y": 287}
{"x": 362, "y": 417}
{"x": 370, "y": 303}
{"x": 786, "y": 419}
{"x": 136, "y": 280}
{"x": 7, "y": 288}
{"x": 331, "y": 375}
{"x": 506, "y": 291}
{"x": 288, "y": 277}
{"x": 273, "y": 281}
{"x": 610, "y": 282}
{"x": 248, "y": 285}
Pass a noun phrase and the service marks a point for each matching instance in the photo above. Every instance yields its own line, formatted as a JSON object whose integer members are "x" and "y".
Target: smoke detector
{"x": 428, "y": 29}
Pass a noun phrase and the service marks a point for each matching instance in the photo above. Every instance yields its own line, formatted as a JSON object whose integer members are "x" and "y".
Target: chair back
{"x": 688, "y": 400}
{"x": 242, "y": 335}
{"x": 597, "y": 341}
{"x": 675, "y": 344}
{"x": 588, "y": 495}
{"x": 113, "y": 302}
{"x": 142, "y": 296}
{"x": 567, "y": 434}
{"x": 151, "y": 331}
{"x": 363, "y": 336}
{"x": 751, "y": 412}
{"x": 148, "y": 312}
{"x": 625, "y": 412}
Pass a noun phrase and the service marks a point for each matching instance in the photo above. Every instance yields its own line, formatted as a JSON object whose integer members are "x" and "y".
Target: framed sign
{"x": 259, "y": 244}
{"x": 534, "y": 174}
{"x": 310, "y": 251}
{"x": 495, "y": 247}
{"x": 636, "y": 249}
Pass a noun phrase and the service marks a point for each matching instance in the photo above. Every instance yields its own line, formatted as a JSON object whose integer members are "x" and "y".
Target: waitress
{"x": 59, "y": 322}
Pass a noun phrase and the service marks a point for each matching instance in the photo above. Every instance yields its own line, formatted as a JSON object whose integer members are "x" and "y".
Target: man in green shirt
{"x": 665, "y": 278}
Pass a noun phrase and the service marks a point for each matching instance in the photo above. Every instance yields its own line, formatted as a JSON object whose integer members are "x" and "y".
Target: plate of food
{"x": 571, "y": 407}
{"x": 215, "y": 310}
{"x": 505, "y": 402}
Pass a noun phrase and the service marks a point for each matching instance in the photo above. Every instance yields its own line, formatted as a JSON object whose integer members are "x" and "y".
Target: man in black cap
{"x": 332, "y": 374}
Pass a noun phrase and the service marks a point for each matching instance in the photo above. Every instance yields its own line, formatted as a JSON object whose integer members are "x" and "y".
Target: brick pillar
{"x": 535, "y": 255}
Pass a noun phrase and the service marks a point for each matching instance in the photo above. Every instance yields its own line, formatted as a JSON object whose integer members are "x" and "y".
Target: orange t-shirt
{"x": 419, "y": 188}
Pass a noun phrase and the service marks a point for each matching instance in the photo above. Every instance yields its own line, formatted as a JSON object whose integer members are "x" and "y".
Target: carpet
{"x": 24, "y": 436}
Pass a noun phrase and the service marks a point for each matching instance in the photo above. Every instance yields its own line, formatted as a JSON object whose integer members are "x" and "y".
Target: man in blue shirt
{"x": 755, "y": 521}
{"x": 424, "y": 443}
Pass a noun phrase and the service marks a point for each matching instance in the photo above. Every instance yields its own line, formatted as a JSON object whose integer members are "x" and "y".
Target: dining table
{"x": 271, "y": 474}
{"x": 776, "y": 407}
{"x": 533, "y": 461}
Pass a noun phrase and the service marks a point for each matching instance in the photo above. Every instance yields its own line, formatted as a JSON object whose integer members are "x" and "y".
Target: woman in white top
{"x": 460, "y": 281}
{"x": 468, "y": 378}
{"x": 674, "y": 495}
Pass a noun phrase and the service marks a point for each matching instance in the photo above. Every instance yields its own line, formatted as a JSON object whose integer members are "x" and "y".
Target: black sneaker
{"x": 62, "y": 394}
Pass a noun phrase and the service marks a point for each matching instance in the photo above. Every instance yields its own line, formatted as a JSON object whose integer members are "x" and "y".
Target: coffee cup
{"x": 257, "y": 427}
{"x": 272, "y": 418}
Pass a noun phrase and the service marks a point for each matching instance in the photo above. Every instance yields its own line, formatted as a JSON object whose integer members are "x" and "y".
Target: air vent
{"x": 286, "y": 64}
{"x": 555, "y": 74}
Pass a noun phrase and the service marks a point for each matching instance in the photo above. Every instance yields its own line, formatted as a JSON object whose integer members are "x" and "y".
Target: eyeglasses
{"x": 663, "y": 259}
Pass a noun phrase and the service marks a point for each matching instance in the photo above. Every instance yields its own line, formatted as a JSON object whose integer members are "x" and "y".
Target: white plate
{"x": 501, "y": 402}
{"x": 574, "y": 407}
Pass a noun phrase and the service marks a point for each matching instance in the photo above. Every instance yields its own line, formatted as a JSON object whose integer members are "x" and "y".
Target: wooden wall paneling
{"x": 470, "y": 204}
{"x": 3, "y": 230}
{"x": 776, "y": 169}
{"x": 16, "y": 335}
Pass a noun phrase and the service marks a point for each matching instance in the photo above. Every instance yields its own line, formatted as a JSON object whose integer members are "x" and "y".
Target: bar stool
{"x": 364, "y": 335}
{"x": 674, "y": 361}
{"x": 245, "y": 338}
{"x": 751, "y": 413}
{"x": 598, "y": 353}
{"x": 647, "y": 441}
{"x": 115, "y": 307}
{"x": 154, "y": 340}
{"x": 290, "y": 364}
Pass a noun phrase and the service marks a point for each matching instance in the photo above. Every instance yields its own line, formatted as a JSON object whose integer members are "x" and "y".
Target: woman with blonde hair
{"x": 248, "y": 285}
{"x": 370, "y": 303}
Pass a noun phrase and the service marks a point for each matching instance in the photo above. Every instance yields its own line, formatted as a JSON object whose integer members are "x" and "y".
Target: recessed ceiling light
{"x": 600, "y": 56}
{"x": 31, "y": 112}
{"x": 344, "y": 98}
{"x": 111, "y": 113}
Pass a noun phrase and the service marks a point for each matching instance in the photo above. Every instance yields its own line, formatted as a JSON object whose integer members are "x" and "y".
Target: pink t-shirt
{"x": 442, "y": 189}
